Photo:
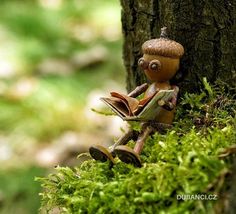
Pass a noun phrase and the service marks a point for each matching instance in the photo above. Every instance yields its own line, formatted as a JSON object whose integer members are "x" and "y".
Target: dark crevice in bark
{"x": 133, "y": 13}
{"x": 216, "y": 53}
{"x": 146, "y": 13}
{"x": 155, "y": 20}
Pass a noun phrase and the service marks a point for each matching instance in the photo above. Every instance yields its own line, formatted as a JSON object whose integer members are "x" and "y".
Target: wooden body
{"x": 164, "y": 116}
{"x": 160, "y": 79}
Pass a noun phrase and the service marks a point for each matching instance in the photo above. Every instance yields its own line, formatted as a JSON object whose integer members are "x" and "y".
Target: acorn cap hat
{"x": 163, "y": 46}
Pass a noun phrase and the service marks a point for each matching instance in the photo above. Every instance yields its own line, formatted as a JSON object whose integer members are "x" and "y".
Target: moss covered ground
{"x": 183, "y": 161}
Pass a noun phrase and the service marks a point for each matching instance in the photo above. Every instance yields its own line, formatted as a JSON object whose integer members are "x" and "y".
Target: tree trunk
{"x": 206, "y": 29}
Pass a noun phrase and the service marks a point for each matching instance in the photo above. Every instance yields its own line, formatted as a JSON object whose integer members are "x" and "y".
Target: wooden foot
{"x": 100, "y": 153}
{"x": 127, "y": 155}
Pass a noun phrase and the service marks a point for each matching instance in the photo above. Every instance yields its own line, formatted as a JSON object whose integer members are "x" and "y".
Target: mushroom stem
{"x": 164, "y": 33}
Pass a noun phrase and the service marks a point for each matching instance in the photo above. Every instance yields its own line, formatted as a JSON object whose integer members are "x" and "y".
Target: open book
{"x": 132, "y": 109}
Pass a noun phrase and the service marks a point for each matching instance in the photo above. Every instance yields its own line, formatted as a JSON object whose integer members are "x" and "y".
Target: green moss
{"x": 182, "y": 161}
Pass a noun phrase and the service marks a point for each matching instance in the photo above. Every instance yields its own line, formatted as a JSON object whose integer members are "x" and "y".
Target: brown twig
{"x": 124, "y": 139}
{"x": 141, "y": 139}
{"x": 228, "y": 151}
{"x": 138, "y": 90}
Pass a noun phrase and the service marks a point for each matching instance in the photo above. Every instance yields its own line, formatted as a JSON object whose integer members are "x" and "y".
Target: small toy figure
{"x": 160, "y": 62}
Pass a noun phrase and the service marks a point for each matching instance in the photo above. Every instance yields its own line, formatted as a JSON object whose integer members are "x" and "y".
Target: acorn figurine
{"x": 160, "y": 62}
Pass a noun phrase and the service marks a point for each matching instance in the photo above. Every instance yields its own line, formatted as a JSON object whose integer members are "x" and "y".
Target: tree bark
{"x": 206, "y": 29}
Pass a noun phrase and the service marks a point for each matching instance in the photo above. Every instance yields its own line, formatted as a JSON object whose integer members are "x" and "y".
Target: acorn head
{"x": 161, "y": 57}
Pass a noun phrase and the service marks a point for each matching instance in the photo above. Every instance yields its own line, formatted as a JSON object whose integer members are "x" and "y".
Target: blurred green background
{"x": 57, "y": 57}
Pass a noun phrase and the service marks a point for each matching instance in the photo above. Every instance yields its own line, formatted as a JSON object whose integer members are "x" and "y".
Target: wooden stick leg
{"x": 141, "y": 139}
{"x": 123, "y": 139}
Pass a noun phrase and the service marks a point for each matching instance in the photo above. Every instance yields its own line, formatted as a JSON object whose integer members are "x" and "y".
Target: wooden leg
{"x": 123, "y": 139}
{"x": 128, "y": 155}
{"x": 141, "y": 139}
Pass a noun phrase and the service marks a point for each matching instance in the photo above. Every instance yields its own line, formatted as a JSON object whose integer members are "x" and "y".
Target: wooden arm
{"x": 174, "y": 98}
{"x": 170, "y": 105}
{"x": 138, "y": 90}
{"x": 166, "y": 105}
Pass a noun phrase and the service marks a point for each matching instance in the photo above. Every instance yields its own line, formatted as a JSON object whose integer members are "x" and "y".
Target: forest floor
{"x": 192, "y": 159}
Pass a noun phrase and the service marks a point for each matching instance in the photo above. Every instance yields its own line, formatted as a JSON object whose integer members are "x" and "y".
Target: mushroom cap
{"x": 163, "y": 47}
